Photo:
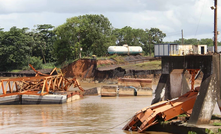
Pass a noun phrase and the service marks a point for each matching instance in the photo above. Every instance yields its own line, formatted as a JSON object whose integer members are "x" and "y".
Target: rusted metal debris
{"x": 165, "y": 110}
{"x": 162, "y": 111}
{"x": 41, "y": 84}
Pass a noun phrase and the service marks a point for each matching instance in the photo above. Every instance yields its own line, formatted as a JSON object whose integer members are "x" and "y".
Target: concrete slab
{"x": 73, "y": 98}
{"x": 10, "y": 100}
{"x": 126, "y": 91}
{"x": 91, "y": 91}
{"x": 46, "y": 99}
{"x": 135, "y": 82}
{"x": 144, "y": 91}
{"x": 108, "y": 91}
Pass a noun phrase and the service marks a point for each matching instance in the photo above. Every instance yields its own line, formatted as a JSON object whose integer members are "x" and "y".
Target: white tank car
{"x": 125, "y": 49}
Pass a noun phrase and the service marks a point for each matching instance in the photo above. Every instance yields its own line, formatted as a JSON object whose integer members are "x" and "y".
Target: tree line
{"x": 85, "y": 34}
{"x": 193, "y": 41}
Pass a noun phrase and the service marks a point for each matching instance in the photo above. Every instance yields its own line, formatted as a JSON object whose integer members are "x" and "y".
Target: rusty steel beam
{"x": 32, "y": 85}
{"x": 162, "y": 111}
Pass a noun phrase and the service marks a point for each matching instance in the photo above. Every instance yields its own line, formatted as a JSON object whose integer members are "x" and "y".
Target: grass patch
{"x": 15, "y": 71}
{"x": 182, "y": 115}
{"x": 191, "y": 132}
{"x": 156, "y": 63}
{"x": 119, "y": 59}
{"x": 164, "y": 122}
{"x": 150, "y": 65}
{"x": 48, "y": 66}
{"x": 101, "y": 65}
{"x": 113, "y": 56}
{"x": 217, "y": 124}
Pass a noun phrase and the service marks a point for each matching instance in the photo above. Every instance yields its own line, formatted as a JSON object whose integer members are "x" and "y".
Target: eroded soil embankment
{"x": 83, "y": 68}
{"x": 87, "y": 68}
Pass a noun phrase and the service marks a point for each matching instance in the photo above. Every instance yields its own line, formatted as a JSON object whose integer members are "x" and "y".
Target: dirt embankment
{"x": 108, "y": 69}
{"x": 83, "y": 68}
{"x": 105, "y": 62}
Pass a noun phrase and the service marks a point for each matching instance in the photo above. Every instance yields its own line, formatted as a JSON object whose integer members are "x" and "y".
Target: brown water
{"x": 92, "y": 114}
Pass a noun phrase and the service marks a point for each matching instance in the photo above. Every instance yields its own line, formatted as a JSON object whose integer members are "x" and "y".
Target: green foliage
{"x": 36, "y": 62}
{"x": 155, "y": 36}
{"x": 193, "y": 41}
{"x": 164, "y": 122}
{"x": 43, "y": 39}
{"x": 113, "y": 56}
{"x": 19, "y": 47}
{"x": 119, "y": 60}
{"x": 92, "y": 33}
{"x": 128, "y": 35}
{"x": 182, "y": 115}
{"x": 139, "y": 37}
{"x": 49, "y": 65}
{"x": 62, "y": 50}
{"x": 191, "y": 132}
{"x": 208, "y": 131}
{"x": 217, "y": 124}
{"x": 153, "y": 65}
{"x": 15, "y": 71}
{"x": 13, "y": 48}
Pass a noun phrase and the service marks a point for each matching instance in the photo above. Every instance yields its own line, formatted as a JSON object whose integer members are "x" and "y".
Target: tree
{"x": 43, "y": 38}
{"x": 139, "y": 37}
{"x": 207, "y": 41}
{"x": 194, "y": 41}
{"x": 155, "y": 36}
{"x": 92, "y": 33}
{"x": 14, "y": 48}
{"x": 128, "y": 35}
{"x": 63, "y": 51}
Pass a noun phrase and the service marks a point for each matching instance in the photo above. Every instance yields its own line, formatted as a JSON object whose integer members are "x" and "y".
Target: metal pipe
{"x": 215, "y": 26}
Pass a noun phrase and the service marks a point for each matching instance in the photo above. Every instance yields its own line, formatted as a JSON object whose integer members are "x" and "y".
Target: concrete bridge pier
{"x": 175, "y": 84}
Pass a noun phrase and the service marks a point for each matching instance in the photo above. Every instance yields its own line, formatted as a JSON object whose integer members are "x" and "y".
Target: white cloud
{"x": 193, "y": 16}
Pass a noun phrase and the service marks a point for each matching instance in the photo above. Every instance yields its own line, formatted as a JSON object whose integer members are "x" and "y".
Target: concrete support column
{"x": 205, "y": 102}
{"x": 219, "y": 91}
{"x": 161, "y": 84}
{"x": 207, "y": 96}
{"x": 175, "y": 85}
{"x": 185, "y": 86}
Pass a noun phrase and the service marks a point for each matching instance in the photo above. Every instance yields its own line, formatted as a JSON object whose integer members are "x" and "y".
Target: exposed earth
{"x": 109, "y": 69}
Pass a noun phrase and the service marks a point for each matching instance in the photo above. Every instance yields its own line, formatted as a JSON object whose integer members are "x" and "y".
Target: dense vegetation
{"x": 56, "y": 45}
{"x": 193, "y": 41}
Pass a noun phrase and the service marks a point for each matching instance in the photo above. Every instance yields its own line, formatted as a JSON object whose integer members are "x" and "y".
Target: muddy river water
{"x": 90, "y": 115}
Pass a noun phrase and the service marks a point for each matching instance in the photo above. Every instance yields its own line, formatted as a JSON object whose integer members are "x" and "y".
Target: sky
{"x": 195, "y": 17}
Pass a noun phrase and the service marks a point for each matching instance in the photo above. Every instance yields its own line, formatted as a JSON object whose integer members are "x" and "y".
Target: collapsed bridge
{"x": 43, "y": 88}
{"x": 199, "y": 101}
